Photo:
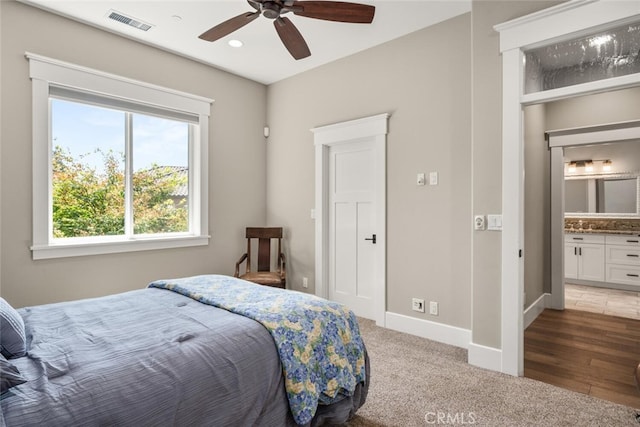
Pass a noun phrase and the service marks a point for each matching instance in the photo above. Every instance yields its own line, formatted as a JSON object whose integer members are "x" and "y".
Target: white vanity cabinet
{"x": 584, "y": 257}
{"x": 623, "y": 259}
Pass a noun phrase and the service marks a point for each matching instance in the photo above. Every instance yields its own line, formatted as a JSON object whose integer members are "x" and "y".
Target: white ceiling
{"x": 263, "y": 58}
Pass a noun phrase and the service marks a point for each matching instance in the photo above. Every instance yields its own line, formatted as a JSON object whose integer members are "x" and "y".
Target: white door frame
{"x": 565, "y": 21}
{"x": 374, "y": 127}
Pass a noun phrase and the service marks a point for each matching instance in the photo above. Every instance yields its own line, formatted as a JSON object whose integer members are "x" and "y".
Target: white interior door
{"x": 351, "y": 207}
{"x": 352, "y": 225}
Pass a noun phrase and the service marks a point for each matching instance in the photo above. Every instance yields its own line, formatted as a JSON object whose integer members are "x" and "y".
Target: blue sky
{"x": 83, "y": 128}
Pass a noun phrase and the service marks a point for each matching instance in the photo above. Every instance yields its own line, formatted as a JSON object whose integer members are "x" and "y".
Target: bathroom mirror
{"x": 615, "y": 195}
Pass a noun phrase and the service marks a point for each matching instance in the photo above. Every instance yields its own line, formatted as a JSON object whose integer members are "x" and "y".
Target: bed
{"x": 200, "y": 351}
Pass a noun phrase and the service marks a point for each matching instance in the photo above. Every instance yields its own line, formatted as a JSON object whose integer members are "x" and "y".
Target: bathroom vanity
{"x": 603, "y": 258}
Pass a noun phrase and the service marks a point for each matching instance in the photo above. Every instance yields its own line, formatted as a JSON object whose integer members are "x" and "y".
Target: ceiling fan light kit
{"x": 335, "y": 11}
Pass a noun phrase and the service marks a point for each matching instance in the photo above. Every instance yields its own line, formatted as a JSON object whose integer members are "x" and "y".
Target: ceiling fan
{"x": 291, "y": 38}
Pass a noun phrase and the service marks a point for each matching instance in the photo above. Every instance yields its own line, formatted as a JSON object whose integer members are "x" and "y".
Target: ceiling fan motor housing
{"x": 271, "y": 9}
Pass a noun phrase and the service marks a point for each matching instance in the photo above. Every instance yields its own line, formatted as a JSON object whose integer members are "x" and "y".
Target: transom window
{"x": 598, "y": 56}
{"x": 115, "y": 173}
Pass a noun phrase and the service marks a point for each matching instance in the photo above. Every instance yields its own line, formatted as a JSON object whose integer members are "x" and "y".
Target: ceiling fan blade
{"x": 291, "y": 38}
{"x": 255, "y": 4}
{"x": 228, "y": 26}
{"x": 335, "y": 11}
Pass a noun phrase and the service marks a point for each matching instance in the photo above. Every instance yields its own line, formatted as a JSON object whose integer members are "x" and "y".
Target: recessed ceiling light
{"x": 235, "y": 43}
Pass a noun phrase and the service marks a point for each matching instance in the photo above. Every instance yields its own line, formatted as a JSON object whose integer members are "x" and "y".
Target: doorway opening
{"x": 573, "y": 348}
{"x": 560, "y": 23}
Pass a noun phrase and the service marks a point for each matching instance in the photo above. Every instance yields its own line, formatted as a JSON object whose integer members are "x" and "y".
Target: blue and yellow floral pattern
{"x": 319, "y": 343}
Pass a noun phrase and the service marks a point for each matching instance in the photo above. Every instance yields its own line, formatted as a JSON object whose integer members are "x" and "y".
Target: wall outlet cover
{"x": 417, "y": 304}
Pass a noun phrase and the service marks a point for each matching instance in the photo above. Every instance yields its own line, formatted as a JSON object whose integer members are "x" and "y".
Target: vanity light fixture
{"x": 588, "y": 166}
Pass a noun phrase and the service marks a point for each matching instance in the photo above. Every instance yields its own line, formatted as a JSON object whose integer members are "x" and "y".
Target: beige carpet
{"x": 418, "y": 382}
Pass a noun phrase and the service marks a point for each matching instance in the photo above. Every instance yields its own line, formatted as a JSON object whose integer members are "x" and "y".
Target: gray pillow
{"x": 12, "y": 337}
{"x": 9, "y": 375}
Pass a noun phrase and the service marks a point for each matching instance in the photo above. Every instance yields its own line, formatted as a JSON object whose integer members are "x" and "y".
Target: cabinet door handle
{"x": 632, "y": 241}
{"x": 575, "y": 251}
{"x": 633, "y": 255}
{"x": 632, "y": 275}
{"x": 580, "y": 251}
{"x": 581, "y": 238}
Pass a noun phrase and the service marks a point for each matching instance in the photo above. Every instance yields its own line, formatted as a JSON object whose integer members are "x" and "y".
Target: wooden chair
{"x": 264, "y": 275}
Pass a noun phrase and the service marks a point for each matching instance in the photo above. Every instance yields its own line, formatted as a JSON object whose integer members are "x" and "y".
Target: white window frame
{"x": 46, "y": 72}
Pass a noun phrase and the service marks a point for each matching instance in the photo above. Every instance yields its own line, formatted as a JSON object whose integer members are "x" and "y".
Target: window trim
{"x": 45, "y": 72}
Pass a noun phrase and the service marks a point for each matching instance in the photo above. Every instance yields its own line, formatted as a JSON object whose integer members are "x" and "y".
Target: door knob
{"x": 372, "y": 238}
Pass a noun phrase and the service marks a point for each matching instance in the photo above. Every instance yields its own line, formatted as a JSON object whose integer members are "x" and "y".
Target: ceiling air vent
{"x": 117, "y": 16}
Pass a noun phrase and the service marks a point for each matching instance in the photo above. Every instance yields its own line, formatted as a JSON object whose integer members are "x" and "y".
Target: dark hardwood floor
{"x": 586, "y": 352}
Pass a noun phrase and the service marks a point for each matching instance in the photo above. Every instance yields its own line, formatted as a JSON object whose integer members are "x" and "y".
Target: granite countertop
{"x": 591, "y": 231}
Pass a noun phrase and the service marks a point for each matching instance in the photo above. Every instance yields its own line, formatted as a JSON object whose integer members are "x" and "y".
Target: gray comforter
{"x": 150, "y": 358}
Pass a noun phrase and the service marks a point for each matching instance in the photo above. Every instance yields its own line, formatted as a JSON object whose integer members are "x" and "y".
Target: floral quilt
{"x": 319, "y": 343}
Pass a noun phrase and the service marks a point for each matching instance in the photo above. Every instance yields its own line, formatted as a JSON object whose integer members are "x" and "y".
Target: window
{"x": 598, "y": 56}
{"x": 118, "y": 165}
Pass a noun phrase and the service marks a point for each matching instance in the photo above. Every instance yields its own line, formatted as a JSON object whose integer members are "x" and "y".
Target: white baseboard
{"x": 451, "y": 335}
{"x": 478, "y": 355}
{"x": 534, "y": 310}
{"x": 485, "y": 357}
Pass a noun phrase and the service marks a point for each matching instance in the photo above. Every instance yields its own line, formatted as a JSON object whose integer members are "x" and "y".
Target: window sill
{"x": 63, "y": 250}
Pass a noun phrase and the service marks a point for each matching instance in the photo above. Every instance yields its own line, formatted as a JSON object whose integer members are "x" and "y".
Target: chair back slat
{"x": 264, "y": 254}
{"x": 264, "y": 236}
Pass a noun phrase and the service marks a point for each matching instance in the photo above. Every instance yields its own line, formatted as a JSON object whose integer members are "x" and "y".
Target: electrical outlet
{"x": 305, "y": 282}
{"x": 417, "y": 304}
{"x": 479, "y": 222}
{"x": 433, "y": 308}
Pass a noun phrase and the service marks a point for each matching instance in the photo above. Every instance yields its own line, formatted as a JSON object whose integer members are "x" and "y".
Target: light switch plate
{"x": 494, "y": 222}
{"x": 433, "y": 178}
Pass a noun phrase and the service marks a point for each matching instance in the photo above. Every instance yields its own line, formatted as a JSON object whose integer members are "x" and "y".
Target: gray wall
{"x": 236, "y": 160}
{"x": 423, "y": 81}
{"x": 537, "y": 265}
{"x": 487, "y": 157}
{"x": 609, "y": 107}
